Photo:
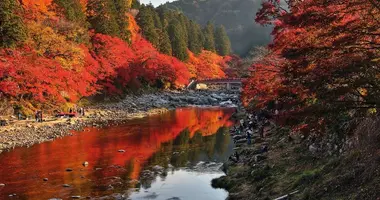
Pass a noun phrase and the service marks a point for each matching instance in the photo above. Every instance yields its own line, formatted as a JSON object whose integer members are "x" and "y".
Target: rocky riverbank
{"x": 28, "y": 132}
{"x": 284, "y": 166}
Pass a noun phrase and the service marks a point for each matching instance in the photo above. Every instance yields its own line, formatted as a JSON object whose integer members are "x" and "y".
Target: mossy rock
{"x": 223, "y": 182}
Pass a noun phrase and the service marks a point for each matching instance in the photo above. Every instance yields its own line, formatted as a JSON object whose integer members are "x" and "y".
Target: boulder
{"x": 226, "y": 103}
{"x": 313, "y": 149}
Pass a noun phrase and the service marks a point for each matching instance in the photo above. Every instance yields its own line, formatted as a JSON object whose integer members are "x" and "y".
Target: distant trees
{"x": 147, "y": 22}
{"x": 222, "y": 42}
{"x": 102, "y": 17}
{"x": 72, "y": 10}
{"x": 165, "y": 46}
{"x": 177, "y": 39}
{"x": 109, "y": 17}
{"x": 12, "y": 28}
{"x": 156, "y": 24}
{"x": 196, "y": 39}
{"x": 209, "y": 40}
{"x": 58, "y": 51}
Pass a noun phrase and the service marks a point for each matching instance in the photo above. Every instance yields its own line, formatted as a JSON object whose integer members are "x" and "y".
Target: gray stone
{"x": 157, "y": 168}
{"x": 66, "y": 185}
{"x": 313, "y": 149}
{"x": 2, "y": 184}
{"x": 85, "y": 163}
{"x": 45, "y": 179}
{"x": 75, "y": 197}
{"x": 121, "y": 150}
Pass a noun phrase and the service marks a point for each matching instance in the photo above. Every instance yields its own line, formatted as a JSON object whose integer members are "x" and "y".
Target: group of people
{"x": 245, "y": 129}
{"x": 79, "y": 110}
{"x": 38, "y": 116}
{"x": 246, "y": 126}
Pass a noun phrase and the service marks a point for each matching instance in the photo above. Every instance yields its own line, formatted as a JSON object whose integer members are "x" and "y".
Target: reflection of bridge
{"x": 234, "y": 84}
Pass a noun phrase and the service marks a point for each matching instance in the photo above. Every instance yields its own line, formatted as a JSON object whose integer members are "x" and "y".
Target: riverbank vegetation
{"x": 54, "y": 52}
{"x": 324, "y": 60}
{"x": 321, "y": 76}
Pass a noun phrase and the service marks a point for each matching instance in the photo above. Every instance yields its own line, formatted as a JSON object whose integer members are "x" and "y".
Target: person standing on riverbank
{"x": 36, "y": 116}
{"x": 41, "y": 119}
{"x": 248, "y": 138}
{"x": 19, "y": 115}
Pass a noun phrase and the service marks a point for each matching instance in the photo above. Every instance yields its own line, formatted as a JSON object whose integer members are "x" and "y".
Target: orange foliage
{"x": 159, "y": 66}
{"x": 37, "y": 8}
{"x": 134, "y": 29}
{"x": 207, "y": 65}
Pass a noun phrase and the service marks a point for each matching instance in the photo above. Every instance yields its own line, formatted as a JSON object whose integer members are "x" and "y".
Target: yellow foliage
{"x": 372, "y": 111}
{"x": 48, "y": 43}
{"x": 129, "y": 3}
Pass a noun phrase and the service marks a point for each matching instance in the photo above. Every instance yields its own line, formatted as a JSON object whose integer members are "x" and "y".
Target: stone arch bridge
{"x": 232, "y": 84}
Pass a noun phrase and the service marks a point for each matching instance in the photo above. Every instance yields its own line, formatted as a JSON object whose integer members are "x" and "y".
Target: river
{"x": 170, "y": 156}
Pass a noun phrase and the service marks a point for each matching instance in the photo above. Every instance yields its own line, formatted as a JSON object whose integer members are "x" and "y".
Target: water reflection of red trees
{"x": 23, "y": 169}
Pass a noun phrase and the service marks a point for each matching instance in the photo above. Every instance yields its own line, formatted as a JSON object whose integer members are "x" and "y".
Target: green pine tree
{"x": 195, "y": 38}
{"x": 222, "y": 41}
{"x": 122, "y": 19}
{"x": 103, "y": 17}
{"x": 73, "y": 11}
{"x": 145, "y": 20}
{"x": 156, "y": 19}
{"x": 177, "y": 40}
{"x": 184, "y": 25}
{"x": 209, "y": 41}
{"x": 165, "y": 47}
{"x": 12, "y": 28}
{"x": 135, "y": 4}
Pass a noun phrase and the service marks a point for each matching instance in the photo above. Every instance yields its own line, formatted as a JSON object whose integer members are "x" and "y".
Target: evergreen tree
{"x": 122, "y": 8}
{"x": 156, "y": 19}
{"x": 12, "y": 29}
{"x": 103, "y": 17}
{"x": 195, "y": 38}
{"x": 73, "y": 11}
{"x": 146, "y": 21}
{"x": 184, "y": 25}
{"x": 135, "y": 4}
{"x": 165, "y": 46}
{"x": 222, "y": 41}
{"x": 177, "y": 40}
{"x": 209, "y": 42}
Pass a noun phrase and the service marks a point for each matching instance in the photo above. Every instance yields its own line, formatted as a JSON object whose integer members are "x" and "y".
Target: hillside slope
{"x": 236, "y": 15}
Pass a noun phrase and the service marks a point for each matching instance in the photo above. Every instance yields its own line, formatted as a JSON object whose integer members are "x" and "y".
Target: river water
{"x": 170, "y": 156}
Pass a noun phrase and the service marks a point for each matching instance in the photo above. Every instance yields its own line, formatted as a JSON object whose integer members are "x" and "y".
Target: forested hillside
{"x": 57, "y": 51}
{"x": 237, "y": 16}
